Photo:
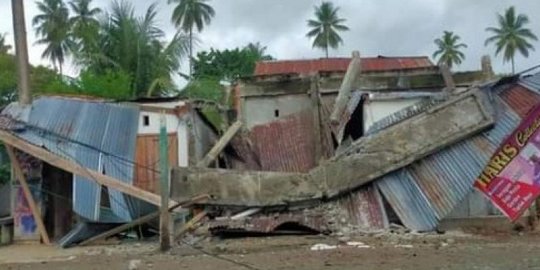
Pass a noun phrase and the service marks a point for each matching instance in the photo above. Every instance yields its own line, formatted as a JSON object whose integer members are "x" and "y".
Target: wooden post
{"x": 19, "y": 174}
{"x": 315, "y": 104}
{"x": 21, "y": 51}
{"x": 220, "y": 145}
{"x": 164, "y": 234}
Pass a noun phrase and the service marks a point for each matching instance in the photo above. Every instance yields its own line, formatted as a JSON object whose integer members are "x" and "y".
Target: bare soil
{"x": 404, "y": 252}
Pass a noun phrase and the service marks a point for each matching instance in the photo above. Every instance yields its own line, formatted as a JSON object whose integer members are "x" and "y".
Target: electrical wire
{"x": 44, "y": 131}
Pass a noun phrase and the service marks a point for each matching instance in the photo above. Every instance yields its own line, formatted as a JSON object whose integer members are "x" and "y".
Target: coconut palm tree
{"x": 511, "y": 35}
{"x": 4, "y": 48}
{"x": 84, "y": 23}
{"x": 325, "y": 27}
{"x": 189, "y": 14}
{"x": 136, "y": 46}
{"x": 448, "y": 49}
{"x": 52, "y": 28}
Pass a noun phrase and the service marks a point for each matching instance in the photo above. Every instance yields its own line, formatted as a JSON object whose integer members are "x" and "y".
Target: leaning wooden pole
{"x": 165, "y": 236}
{"x": 19, "y": 174}
{"x": 21, "y": 50}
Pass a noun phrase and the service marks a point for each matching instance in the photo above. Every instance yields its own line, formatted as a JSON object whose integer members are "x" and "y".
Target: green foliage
{"x": 448, "y": 48}
{"x": 4, "y": 48}
{"x": 228, "y": 65}
{"x": 8, "y": 79}
{"x": 135, "y": 46}
{"x": 511, "y": 35}
{"x": 205, "y": 89}
{"x": 111, "y": 84}
{"x": 325, "y": 27}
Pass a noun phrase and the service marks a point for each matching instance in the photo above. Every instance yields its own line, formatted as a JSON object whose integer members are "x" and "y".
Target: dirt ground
{"x": 454, "y": 250}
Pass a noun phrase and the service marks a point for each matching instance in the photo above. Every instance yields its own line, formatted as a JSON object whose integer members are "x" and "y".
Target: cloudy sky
{"x": 377, "y": 27}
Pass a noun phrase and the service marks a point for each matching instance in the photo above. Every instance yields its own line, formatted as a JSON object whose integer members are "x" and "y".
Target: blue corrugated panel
{"x": 428, "y": 190}
{"x": 76, "y": 130}
{"x": 531, "y": 82}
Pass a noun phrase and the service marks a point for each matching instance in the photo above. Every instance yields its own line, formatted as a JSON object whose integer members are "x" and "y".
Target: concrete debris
{"x": 318, "y": 247}
{"x": 404, "y": 246}
{"x": 358, "y": 244}
{"x": 134, "y": 264}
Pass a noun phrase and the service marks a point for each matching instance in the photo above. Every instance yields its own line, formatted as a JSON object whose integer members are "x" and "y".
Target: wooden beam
{"x": 75, "y": 168}
{"x": 19, "y": 174}
{"x": 141, "y": 220}
{"x": 189, "y": 225}
{"x": 220, "y": 145}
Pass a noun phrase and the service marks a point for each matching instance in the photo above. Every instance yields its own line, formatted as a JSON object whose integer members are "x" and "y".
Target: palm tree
{"x": 449, "y": 49}
{"x": 4, "y": 48}
{"x": 511, "y": 36}
{"x": 52, "y": 28}
{"x": 135, "y": 46}
{"x": 84, "y": 23}
{"x": 325, "y": 27}
{"x": 258, "y": 51}
{"x": 189, "y": 14}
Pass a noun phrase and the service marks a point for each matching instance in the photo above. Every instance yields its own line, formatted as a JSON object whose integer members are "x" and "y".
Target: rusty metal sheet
{"x": 287, "y": 144}
{"x": 520, "y": 99}
{"x": 147, "y": 160}
{"x": 365, "y": 208}
{"x": 369, "y": 64}
{"x": 270, "y": 224}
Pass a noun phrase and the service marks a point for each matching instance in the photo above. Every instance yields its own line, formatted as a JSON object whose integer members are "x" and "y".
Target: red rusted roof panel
{"x": 369, "y": 64}
{"x": 520, "y": 99}
{"x": 287, "y": 144}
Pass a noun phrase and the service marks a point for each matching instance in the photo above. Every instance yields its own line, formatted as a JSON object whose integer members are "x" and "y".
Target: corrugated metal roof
{"x": 286, "y": 144}
{"x": 365, "y": 208}
{"x": 531, "y": 82}
{"x": 76, "y": 129}
{"x": 426, "y": 191}
{"x": 369, "y": 64}
{"x": 521, "y": 99}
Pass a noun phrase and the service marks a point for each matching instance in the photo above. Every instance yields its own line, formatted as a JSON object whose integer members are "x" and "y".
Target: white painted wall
{"x": 174, "y": 125}
{"x": 375, "y": 110}
{"x": 262, "y": 110}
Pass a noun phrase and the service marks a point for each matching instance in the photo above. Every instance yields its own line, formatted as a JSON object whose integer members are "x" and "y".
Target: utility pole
{"x": 164, "y": 234}
{"x": 21, "y": 50}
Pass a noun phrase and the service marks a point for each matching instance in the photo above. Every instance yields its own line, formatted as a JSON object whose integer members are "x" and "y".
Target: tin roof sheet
{"x": 286, "y": 144}
{"x": 95, "y": 135}
{"x": 369, "y": 64}
{"x": 426, "y": 191}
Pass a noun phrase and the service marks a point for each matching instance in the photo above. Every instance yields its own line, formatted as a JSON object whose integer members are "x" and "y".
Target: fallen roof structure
{"x": 367, "y": 159}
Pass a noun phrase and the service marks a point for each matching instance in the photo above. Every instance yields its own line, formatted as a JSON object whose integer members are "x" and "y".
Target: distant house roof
{"x": 369, "y": 64}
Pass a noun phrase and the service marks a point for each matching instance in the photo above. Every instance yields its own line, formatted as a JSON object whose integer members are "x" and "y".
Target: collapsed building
{"x": 315, "y": 144}
{"x": 406, "y": 148}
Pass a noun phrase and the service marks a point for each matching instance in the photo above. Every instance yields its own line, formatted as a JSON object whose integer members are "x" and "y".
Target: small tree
{"x": 325, "y": 27}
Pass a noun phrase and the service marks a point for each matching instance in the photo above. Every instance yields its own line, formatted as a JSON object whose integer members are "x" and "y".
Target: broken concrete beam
{"x": 353, "y": 72}
{"x": 366, "y": 160}
{"x": 400, "y": 145}
{"x": 229, "y": 187}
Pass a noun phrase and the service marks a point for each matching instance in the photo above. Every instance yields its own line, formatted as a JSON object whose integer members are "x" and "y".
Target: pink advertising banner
{"x": 511, "y": 179}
